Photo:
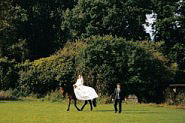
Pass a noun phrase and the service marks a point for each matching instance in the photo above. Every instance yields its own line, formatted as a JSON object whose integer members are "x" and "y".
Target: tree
{"x": 31, "y": 29}
{"x": 141, "y": 68}
{"x": 177, "y": 56}
{"x": 11, "y": 45}
{"x": 122, "y": 18}
{"x": 47, "y": 74}
{"x": 170, "y": 27}
{"x": 8, "y": 74}
{"x": 42, "y": 28}
{"x": 170, "y": 21}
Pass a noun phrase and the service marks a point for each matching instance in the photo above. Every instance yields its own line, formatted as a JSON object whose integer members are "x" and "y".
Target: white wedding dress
{"x": 84, "y": 92}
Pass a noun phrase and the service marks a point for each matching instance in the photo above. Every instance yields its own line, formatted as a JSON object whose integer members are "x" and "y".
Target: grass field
{"x": 47, "y": 112}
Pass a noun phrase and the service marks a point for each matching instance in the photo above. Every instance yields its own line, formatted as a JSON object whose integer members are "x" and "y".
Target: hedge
{"x": 104, "y": 61}
{"x": 8, "y": 74}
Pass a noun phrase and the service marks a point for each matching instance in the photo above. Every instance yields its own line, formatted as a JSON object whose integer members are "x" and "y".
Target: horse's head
{"x": 67, "y": 88}
{"x": 64, "y": 89}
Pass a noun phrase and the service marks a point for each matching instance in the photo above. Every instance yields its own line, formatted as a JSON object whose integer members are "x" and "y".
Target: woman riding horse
{"x": 80, "y": 92}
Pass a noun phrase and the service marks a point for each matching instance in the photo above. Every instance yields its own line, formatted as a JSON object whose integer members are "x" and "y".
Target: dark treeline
{"x": 34, "y": 29}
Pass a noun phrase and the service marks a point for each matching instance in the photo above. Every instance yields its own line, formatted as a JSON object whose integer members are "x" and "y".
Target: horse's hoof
{"x": 67, "y": 109}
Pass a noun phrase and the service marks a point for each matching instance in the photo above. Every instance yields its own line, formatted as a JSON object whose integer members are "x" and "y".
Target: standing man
{"x": 118, "y": 97}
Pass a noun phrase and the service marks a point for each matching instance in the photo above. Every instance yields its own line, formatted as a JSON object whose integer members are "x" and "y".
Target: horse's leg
{"x": 69, "y": 104}
{"x": 76, "y": 105}
{"x": 90, "y": 102}
{"x": 84, "y": 105}
{"x": 94, "y": 102}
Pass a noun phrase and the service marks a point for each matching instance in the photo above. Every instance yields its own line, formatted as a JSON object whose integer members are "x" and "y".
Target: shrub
{"x": 176, "y": 98}
{"x": 46, "y": 74}
{"x": 177, "y": 55}
{"x": 107, "y": 61}
{"x": 8, "y": 74}
{"x": 54, "y": 96}
{"x": 7, "y": 95}
{"x": 104, "y": 61}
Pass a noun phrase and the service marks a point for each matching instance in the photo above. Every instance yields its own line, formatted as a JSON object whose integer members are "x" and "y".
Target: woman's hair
{"x": 118, "y": 84}
{"x": 79, "y": 76}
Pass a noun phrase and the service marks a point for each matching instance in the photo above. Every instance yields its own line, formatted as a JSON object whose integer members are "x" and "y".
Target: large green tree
{"x": 122, "y": 18}
{"x": 31, "y": 29}
{"x": 10, "y": 17}
{"x": 170, "y": 27}
{"x": 170, "y": 24}
{"x": 42, "y": 28}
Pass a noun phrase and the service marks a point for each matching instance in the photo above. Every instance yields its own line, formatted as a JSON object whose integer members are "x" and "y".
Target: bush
{"x": 177, "y": 55}
{"x": 7, "y": 95}
{"x": 104, "y": 61}
{"x": 105, "y": 17}
{"x": 8, "y": 74}
{"x": 107, "y": 61}
{"x": 46, "y": 74}
{"x": 54, "y": 96}
{"x": 175, "y": 98}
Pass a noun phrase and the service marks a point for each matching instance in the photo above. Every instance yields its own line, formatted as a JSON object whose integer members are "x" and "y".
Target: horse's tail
{"x": 94, "y": 102}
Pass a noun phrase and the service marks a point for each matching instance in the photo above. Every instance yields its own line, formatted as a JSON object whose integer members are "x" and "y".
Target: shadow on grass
{"x": 104, "y": 110}
{"x": 9, "y": 98}
{"x": 2, "y": 101}
{"x": 131, "y": 111}
{"x": 140, "y": 112}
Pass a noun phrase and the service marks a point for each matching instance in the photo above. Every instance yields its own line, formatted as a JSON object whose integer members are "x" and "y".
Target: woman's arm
{"x": 82, "y": 80}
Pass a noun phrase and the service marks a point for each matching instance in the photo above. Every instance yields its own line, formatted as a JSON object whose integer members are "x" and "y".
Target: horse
{"x": 67, "y": 88}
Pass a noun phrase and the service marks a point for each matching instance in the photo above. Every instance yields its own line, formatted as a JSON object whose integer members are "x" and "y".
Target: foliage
{"x": 107, "y": 17}
{"x": 54, "y": 96}
{"x": 175, "y": 98}
{"x": 7, "y": 95}
{"x": 31, "y": 29}
{"x": 103, "y": 61}
{"x": 177, "y": 55}
{"x": 10, "y": 18}
{"x": 107, "y": 61}
{"x": 46, "y": 74}
{"x": 8, "y": 74}
{"x": 34, "y": 29}
{"x": 170, "y": 22}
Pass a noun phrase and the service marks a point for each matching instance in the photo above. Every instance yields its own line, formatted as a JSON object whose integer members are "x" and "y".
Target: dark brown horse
{"x": 68, "y": 89}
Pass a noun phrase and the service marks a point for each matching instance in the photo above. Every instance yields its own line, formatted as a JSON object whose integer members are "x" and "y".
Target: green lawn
{"x": 47, "y": 112}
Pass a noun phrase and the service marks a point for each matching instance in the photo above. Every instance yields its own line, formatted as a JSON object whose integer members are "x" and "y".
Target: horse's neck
{"x": 71, "y": 93}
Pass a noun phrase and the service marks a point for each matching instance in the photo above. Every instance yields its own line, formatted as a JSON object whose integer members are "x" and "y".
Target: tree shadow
{"x": 131, "y": 111}
{"x": 9, "y": 100}
{"x": 140, "y": 112}
{"x": 2, "y": 102}
{"x": 104, "y": 110}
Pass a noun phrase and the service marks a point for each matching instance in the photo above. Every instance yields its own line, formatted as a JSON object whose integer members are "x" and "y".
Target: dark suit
{"x": 118, "y": 97}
